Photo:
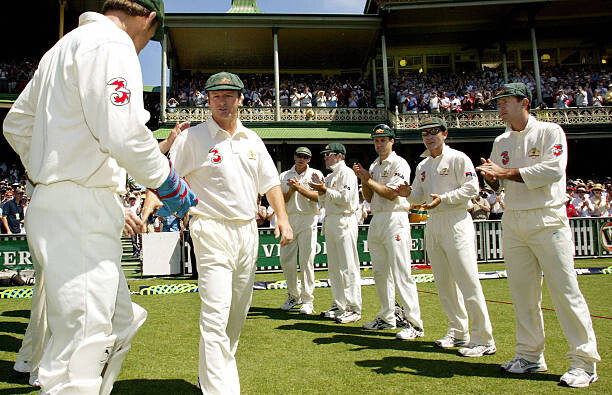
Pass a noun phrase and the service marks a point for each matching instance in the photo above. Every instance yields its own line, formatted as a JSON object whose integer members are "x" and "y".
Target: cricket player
{"x": 78, "y": 126}
{"x": 339, "y": 195}
{"x": 228, "y": 166}
{"x": 389, "y": 236}
{"x": 303, "y": 210}
{"x": 529, "y": 161}
{"x": 446, "y": 180}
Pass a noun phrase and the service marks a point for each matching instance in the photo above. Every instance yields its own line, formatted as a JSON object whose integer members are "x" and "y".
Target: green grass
{"x": 285, "y": 352}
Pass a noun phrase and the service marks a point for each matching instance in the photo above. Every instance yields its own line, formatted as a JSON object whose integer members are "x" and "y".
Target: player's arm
{"x": 282, "y": 228}
{"x": 554, "y": 160}
{"x": 364, "y": 175}
{"x": 307, "y": 193}
{"x": 5, "y": 224}
{"x": 466, "y": 177}
{"x": 342, "y": 195}
{"x": 19, "y": 121}
{"x": 164, "y": 146}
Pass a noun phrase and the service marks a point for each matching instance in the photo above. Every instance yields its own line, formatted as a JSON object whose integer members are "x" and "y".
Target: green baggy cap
{"x": 517, "y": 89}
{"x": 433, "y": 122}
{"x": 158, "y": 7}
{"x": 224, "y": 81}
{"x": 382, "y": 130}
{"x": 334, "y": 147}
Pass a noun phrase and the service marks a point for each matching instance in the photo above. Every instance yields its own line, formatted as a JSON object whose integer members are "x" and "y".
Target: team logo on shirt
{"x": 214, "y": 156}
{"x": 121, "y": 94}
{"x": 505, "y": 157}
{"x": 533, "y": 152}
{"x": 385, "y": 173}
{"x": 557, "y": 149}
{"x": 444, "y": 172}
{"x": 400, "y": 175}
{"x": 251, "y": 155}
{"x": 470, "y": 174}
{"x": 397, "y": 237}
{"x": 423, "y": 176}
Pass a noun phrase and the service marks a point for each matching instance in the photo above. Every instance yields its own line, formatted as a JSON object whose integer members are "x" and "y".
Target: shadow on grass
{"x": 9, "y": 343}
{"x": 442, "y": 368}
{"x": 154, "y": 386}
{"x": 13, "y": 327}
{"x": 8, "y": 375}
{"x": 16, "y": 313}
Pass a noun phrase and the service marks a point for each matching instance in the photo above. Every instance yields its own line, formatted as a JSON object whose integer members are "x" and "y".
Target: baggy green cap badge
{"x": 334, "y": 147}
{"x": 224, "y": 81}
{"x": 517, "y": 89}
{"x": 382, "y": 130}
{"x": 433, "y": 122}
{"x": 158, "y": 7}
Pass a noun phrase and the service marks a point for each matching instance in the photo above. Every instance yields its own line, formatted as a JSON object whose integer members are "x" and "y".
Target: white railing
{"x": 487, "y": 119}
{"x": 287, "y": 114}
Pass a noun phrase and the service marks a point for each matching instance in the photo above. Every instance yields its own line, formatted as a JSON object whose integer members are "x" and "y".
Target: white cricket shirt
{"x": 225, "y": 172}
{"x": 391, "y": 172}
{"x": 450, "y": 175}
{"x": 298, "y": 203}
{"x": 342, "y": 196}
{"x": 81, "y": 118}
{"x": 540, "y": 154}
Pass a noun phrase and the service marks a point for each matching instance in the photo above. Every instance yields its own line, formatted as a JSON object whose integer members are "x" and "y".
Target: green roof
{"x": 297, "y": 131}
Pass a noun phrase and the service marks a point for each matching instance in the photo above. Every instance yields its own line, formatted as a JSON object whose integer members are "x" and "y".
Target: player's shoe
{"x": 578, "y": 378}
{"x": 450, "y": 341}
{"x": 290, "y": 303}
{"x": 477, "y": 350}
{"x": 347, "y": 317}
{"x": 400, "y": 317}
{"x": 377, "y": 325}
{"x": 332, "y": 313}
{"x": 307, "y": 308}
{"x": 410, "y": 332}
{"x": 521, "y": 365}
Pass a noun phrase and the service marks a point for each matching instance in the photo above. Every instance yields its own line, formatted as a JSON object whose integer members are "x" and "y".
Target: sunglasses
{"x": 329, "y": 154}
{"x": 302, "y": 156}
{"x": 433, "y": 132}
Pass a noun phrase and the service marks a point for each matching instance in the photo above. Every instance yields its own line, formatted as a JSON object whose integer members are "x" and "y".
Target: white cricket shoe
{"x": 348, "y": 316}
{"x": 377, "y": 325}
{"x": 332, "y": 313}
{"x": 307, "y": 308}
{"x": 578, "y": 378}
{"x": 450, "y": 341}
{"x": 521, "y": 365}
{"x": 290, "y": 303}
{"x": 410, "y": 332}
{"x": 477, "y": 350}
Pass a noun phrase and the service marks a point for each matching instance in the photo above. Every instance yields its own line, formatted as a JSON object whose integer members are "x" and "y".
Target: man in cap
{"x": 446, "y": 180}
{"x": 528, "y": 160}
{"x": 302, "y": 208}
{"x": 228, "y": 166}
{"x": 12, "y": 212}
{"x": 339, "y": 195}
{"x": 78, "y": 126}
{"x": 389, "y": 236}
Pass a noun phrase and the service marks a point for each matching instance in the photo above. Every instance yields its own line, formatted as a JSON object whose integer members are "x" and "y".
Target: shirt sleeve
{"x": 283, "y": 182}
{"x": 110, "y": 88}
{"x": 417, "y": 196}
{"x": 401, "y": 173}
{"x": 19, "y": 122}
{"x": 345, "y": 186}
{"x": 465, "y": 174}
{"x": 554, "y": 160}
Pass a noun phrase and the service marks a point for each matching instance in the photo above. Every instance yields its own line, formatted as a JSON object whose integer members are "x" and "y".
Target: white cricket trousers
{"x": 343, "y": 261}
{"x": 389, "y": 244}
{"x": 536, "y": 241}
{"x": 226, "y": 254}
{"x": 304, "y": 246}
{"x": 36, "y": 334}
{"x": 450, "y": 242}
{"x": 74, "y": 233}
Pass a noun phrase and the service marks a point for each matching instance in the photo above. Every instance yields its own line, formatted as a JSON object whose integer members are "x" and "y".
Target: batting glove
{"x": 176, "y": 195}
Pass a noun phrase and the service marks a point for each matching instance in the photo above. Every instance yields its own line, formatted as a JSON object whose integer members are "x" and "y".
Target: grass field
{"x": 285, "y": 352}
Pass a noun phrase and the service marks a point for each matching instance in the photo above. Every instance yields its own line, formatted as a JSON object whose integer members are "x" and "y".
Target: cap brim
{"x": 437, "y": 125}
{"x": 223, "y": 88}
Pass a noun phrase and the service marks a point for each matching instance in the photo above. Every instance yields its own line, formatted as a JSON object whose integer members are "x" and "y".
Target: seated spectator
{"x": 480, "y": 207}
